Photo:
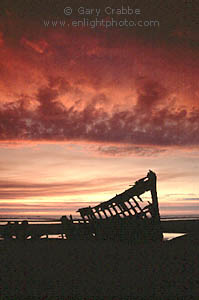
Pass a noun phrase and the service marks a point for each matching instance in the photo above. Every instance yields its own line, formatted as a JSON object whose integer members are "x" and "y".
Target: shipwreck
{"x": 124, "y": 217}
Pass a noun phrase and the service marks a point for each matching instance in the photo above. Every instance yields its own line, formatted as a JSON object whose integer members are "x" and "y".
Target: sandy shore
{"x": 61, "y": 269}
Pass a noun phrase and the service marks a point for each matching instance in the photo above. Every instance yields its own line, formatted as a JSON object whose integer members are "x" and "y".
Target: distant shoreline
{"x": 57, "y": 218}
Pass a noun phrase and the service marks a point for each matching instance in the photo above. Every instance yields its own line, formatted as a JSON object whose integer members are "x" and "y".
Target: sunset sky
{"x": 85, "y": 112}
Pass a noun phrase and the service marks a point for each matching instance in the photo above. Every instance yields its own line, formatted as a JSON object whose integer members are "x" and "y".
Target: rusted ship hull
{"x": 124, "y": 217}
{"x": 126, "y": 229}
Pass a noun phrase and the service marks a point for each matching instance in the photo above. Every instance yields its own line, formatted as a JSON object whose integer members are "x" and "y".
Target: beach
{"x": 67, "y": 269}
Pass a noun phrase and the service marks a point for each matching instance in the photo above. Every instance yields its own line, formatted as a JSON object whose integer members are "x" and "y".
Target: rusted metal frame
{"x": 132, "y": 207}
{"x": 154, "y": 197}
{"x": 121, "y": 210}
{"x": 137, "y": 205}
{"x": 108, "y": 208}
{"x": 99, "y": 213}
{"x": 104, "y": 212}
{"x": 101, "y": 209}
{"x": 139, "y": 188}
{"x": 124, "y": 208}
{"x": 89, "y": 213}
{"x": 140, "y": 198}
{"x": 113, "y": 206}
{"x": 84, "y": 214}
{"x": 128, "y": 209}
{"x": 118, "y": 204}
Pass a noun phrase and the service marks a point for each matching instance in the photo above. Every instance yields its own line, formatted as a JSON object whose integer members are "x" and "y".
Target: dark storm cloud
{"x": 150, "y": 93}
{"x": 144, "y": 123}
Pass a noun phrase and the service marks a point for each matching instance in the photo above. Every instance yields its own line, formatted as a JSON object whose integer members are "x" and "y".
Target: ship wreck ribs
{"x": 118, "y": 205}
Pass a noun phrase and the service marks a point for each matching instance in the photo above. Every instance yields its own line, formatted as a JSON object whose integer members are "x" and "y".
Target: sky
{"x": 88, "y": 108}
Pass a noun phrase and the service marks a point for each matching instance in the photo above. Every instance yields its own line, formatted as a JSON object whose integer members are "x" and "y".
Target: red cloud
{"x": 108, "y": 86}
{"x": 51, "y": 120}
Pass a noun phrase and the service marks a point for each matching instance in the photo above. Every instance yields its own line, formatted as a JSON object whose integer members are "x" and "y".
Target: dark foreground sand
{"x": 61, "y": 269}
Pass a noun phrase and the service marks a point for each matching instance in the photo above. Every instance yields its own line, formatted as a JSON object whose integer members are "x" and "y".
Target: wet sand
{"x": 63, "y": 269}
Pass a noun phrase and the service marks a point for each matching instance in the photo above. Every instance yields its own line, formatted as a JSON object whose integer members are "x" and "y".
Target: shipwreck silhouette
{"x": 124, "y": 217}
